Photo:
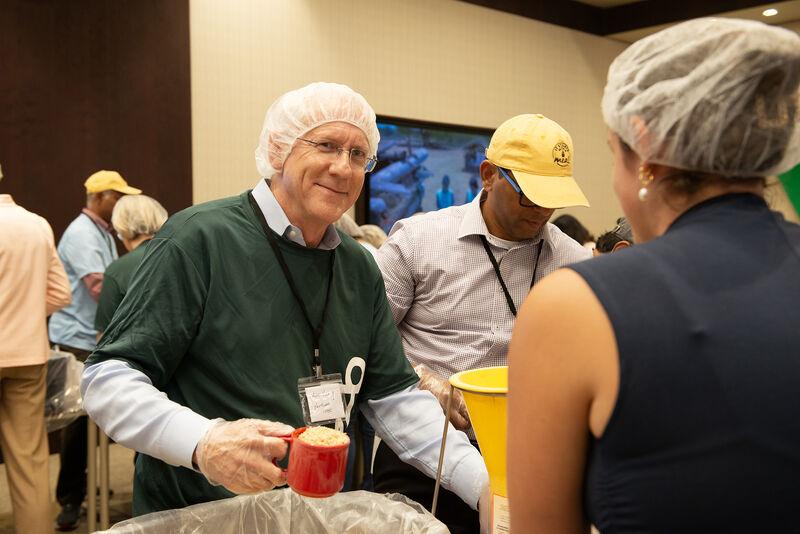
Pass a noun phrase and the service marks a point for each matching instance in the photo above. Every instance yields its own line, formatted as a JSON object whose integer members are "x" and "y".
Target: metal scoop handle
{"x": 441, "y": 451}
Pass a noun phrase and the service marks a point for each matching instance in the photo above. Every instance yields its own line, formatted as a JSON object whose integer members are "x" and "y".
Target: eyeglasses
{"x": 358, "y": 157}
{"x": 523, "y": 200}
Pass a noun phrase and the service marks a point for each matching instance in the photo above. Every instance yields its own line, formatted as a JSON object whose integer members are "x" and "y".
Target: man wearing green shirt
{"x": 238, "y": 300}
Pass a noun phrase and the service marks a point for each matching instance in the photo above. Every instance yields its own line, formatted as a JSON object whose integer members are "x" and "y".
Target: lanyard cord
{"x": 105, "y": 235}
{"x": 316, "y": 332}
{"x": 500, "y": 277}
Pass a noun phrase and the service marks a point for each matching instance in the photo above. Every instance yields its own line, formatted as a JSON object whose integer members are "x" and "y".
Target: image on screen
{"x": 423, "y": 167}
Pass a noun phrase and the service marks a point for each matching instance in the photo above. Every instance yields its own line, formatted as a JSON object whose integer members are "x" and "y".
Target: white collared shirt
{"x": 279, "y": 222}
{"x": 444, "y": 293}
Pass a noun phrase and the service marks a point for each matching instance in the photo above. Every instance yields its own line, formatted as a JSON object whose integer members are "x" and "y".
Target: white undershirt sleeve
{"x": 411, "y": 422}
{"x": 131, "y": 411}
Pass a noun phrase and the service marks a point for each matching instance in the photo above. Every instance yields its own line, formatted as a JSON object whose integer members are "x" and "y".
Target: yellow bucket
{"x": 485, "y": 392}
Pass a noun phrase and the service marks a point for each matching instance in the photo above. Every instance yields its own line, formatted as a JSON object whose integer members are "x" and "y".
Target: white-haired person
{"x": 656, "y": 389}
{"x": 370, "y": 236}
{"x": 373, "y": 234}
{"x": 135, "y": 219}
{"x": 241, "y": 302}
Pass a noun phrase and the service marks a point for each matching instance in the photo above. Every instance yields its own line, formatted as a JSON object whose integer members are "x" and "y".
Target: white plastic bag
{"x": 63, "y": 403}
{"x": 285, "y": 512}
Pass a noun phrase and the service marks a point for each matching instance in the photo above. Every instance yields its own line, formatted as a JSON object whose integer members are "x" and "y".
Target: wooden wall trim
{"x": 93, "y": 84}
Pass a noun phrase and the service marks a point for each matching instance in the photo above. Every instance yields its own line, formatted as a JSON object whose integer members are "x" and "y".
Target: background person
{"x": 199, "y": 368}
{"x": 454, "y": 278}
{"x": 86, "y": 248}
{"x": 473, "y": 189}
{"x": 656, "y": 390}
{"x": 33, "y": 285}
{"x": 444, "y": 197}
{"x": 347, "y": 225}
{"x": 619, "y": 237}
{"x": 573, "y": 228}
{"x": 135, "y": 219}
{"x": 373, "y": 234}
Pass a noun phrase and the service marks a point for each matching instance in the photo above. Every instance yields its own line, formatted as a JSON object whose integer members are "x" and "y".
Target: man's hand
{"x": 238, "y": 454}
{"x": 440, "y": 387}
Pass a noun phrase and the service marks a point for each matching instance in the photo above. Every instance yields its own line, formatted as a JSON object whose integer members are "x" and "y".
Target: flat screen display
{"x": 421, "y": 167}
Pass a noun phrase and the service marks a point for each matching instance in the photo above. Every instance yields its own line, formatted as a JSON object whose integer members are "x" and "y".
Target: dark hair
{"x": 687, "y": 183}
{"x": 606, "y": 242}
{"x": 621, "y": 232}
{"x": 573, "y": 228}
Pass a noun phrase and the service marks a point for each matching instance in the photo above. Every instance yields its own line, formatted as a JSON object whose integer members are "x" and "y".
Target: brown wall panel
{"x": 93, "y": 84}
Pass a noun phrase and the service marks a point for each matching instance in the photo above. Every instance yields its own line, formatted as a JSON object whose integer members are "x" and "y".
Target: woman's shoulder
{"x": 126, "y": 263}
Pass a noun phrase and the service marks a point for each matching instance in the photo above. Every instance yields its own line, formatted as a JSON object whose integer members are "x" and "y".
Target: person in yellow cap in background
{"x": 455, "y": 277}
{"x": 86, "y": 249}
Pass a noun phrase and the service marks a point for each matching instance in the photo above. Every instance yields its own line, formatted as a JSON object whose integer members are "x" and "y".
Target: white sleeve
{"x": 411, "y": 422}
{"x": 131, "y": 411}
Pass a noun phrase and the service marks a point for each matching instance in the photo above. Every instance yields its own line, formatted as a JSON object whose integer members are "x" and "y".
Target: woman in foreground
{"x": 656, "y": 389}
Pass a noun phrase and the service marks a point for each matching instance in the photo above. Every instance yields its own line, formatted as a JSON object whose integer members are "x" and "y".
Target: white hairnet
{"x": 709, "y": 95}
{"x": 302, "y": 110}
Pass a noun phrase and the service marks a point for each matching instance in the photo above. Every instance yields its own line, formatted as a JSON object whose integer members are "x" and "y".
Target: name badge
{"x": 322, "y": 399}
{"x": 325, "y": 402}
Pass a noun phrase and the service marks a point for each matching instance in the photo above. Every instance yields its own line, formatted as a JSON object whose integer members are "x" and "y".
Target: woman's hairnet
{"x": 302, "y": 110}
{"x": 710, "y": 95}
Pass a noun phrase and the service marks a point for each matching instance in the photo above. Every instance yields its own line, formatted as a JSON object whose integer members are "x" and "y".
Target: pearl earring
{"x": 645, "y": 178}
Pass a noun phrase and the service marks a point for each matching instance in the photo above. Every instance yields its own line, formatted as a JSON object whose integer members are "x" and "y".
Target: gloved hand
{"x": 238, "y": 454}
{"x": 440, "y": 387}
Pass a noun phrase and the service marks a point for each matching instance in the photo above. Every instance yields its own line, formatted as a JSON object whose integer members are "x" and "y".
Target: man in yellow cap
{"x": 86, "y": 249}
{"x": 456, "y": 277}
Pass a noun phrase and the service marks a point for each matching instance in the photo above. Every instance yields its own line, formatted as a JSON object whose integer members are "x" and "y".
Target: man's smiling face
{"x": 321, "y": 187}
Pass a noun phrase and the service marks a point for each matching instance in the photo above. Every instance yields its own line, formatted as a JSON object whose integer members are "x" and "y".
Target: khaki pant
{"x": 24, "y": 442}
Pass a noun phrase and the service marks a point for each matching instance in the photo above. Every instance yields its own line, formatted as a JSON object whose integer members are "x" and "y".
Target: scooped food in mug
{"x": 324, "y": 436}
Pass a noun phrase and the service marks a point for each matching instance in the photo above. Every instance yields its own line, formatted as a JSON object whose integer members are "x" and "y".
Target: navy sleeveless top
{"x": 705, "y": 433}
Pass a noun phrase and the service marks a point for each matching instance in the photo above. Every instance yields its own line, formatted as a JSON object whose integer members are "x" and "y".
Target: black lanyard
{"x": 316, "y": 332}
{"x": 500, "y": 277}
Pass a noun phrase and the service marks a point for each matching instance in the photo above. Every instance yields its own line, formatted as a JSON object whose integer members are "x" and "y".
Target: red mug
{"x": 315, "y": 470}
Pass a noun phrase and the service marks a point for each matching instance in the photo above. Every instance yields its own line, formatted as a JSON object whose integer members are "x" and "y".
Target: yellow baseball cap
{"x": 109, "y": 181}
{"x": 539, "y": 152}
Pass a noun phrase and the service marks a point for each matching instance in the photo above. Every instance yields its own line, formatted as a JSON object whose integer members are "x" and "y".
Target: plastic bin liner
{"x": 63, "y": 403}
{"x": 285, "y": 512}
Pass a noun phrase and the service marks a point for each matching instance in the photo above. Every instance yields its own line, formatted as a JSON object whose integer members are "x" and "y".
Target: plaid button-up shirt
{"x": 445, "y": 296}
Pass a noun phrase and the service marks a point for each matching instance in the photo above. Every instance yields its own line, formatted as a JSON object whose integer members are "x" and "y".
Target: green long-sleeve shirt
{"x": 116, "y": 280}
{"x": 211, "y": 321}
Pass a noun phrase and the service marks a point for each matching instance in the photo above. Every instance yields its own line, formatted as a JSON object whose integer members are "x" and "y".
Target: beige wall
{"x": 794, "y": 26}
{"x": 437, "y": 60}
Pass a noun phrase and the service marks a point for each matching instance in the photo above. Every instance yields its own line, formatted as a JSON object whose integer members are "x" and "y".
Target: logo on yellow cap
{"x": 561, "y": 154}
